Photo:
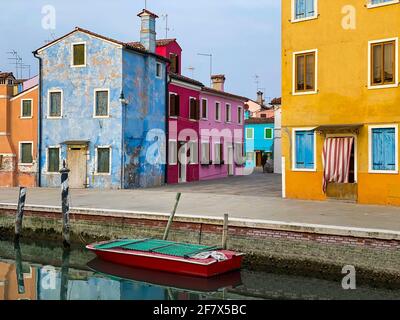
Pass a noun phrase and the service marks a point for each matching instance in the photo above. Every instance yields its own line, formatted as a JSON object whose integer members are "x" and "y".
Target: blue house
{"x": 259, "y": 141}
{"x": 103, "y": 110}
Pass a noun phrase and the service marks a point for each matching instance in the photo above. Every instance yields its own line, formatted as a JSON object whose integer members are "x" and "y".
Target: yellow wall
{"x": 343, "y": 96}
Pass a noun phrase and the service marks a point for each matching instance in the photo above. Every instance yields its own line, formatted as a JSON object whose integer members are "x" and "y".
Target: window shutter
{"x": 309, "y": 150}
{"x": 221, "y": 153}
{"x": 177, "y": 105}
{"x": 197, "y": 109}
{"x": 389, "y": 153}
{"x": 300, "y": 156}
{"x": 172, "y": 104}
{"x": 377, "y": 149}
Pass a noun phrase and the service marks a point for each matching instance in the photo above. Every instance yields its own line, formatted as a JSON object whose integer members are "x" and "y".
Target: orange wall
{"x": 9, "y": 285}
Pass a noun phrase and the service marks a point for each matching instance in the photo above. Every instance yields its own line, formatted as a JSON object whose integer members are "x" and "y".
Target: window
{"x": 1, "y": 161}
{"x": 53, "y": 159}
{"x": 240, "y": 115}
{"x": 79, "y": 54}
{"x": 205, "y": 153}
{"x": 172, "y": 152}
{"x": 304, "y": 153}
{"x": 26, "y": 153}
{"x": 204, "y": 108}
{"x": 305, "y": 72}
{"x": 173, "y": 105}
{"x": 194, "y": 112}
{"x": 101, "y": 103}
{"x": 249, "y": 133}
{"x": 263, "y": 115}
{"x": 268, "y": 133}
{"x": 383, "y": 149}
{"x": 217, "y": 111}
{"x": 304, "y": 9}
{"x": 378, "y": 3}
{"x": 103, "y": 160}
{"x": 10, "y": 82}
{"x": 174, "y": 66}
{"x": 55, "y": 104}
{"x": 158, "y": 70}
{"x": 218, "y": 153}
{"x": 193, "y": 152}
{"x": 26, "y": 108}
{"x": 239, "y": 154}
{"x": 383, "y": 63}
{"x": 228, "y": 113}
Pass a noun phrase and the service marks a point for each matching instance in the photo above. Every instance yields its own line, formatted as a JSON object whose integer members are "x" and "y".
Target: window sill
{"x": 102, "y": 174}
{"x": 304, "y": 19}
{"x": 383, "y": 172}
{"x": 372, "y": 6}
{"x": 79, "y": 66}
{"x": 383, "y": 86}
{"x": 173, "y": 117}
{"x": 25, "y": 118}
{"x": 25, "y": 164}
{"x": 204, "y": 119}
{"x": 101, "y": 117}
{"x": 54, "y": 118}
{"x": 51, "y": 173}
{"x": 303, "y": 93}
{"x": 304, "y": 170}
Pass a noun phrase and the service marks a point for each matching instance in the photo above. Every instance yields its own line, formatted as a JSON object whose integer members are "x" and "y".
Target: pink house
{"x": 221, "y": 131}
{"x": 183, "y": 118}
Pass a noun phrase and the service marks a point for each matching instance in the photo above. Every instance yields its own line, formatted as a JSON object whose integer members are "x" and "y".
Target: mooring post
{"x": 65, "y": 205}
{"x": 171, "y": 217}
{"x": 20, "y": 213}
{"x": 64, "y": 274}
{"x": 225, "y": 231}
{"x": 18, "y": 268}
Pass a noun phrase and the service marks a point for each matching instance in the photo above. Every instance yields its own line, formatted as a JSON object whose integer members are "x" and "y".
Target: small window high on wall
{"x": 174, "y": 66}
{"x": 78, "y": 54}
{"x": 383, "y": 63}
{"x": 305, "y": 71}
{"x": 304, "y": 9}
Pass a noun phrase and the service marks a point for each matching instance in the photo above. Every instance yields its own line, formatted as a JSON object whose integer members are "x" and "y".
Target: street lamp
{"x": 210, "y": 56}
{"x": 122, "y": 99}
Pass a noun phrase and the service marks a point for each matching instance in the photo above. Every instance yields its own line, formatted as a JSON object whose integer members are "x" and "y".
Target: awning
{"x": 340, "y": 128}
{"x": 76, "y": 142}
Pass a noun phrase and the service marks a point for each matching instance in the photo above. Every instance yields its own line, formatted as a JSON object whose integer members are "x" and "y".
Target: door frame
{"x": 341, "y": 135}
{"x": 182, "y": 167}
{"x": 85, "y": 149}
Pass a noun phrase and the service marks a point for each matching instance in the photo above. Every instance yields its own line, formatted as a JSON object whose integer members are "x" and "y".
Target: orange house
{"x": 18, "y": 132}
{"x": 9, "y": 283}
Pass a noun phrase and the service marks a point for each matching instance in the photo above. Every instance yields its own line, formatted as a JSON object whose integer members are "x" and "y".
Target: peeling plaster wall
{"x": 146, "y": 111}
{"x": 103, "y": 71}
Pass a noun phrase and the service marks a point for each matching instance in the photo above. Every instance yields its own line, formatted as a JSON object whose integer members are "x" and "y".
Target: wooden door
{"x": 259, "y": 159}
{"x": 77, "y": 165}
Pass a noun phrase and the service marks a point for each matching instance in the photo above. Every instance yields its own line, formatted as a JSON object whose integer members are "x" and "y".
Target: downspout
{"x": 39, "y": 131}
{"x": 167, "y": 82}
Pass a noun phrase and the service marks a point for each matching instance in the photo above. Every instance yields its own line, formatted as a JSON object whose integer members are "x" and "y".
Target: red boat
{"x": 168, "y": 256}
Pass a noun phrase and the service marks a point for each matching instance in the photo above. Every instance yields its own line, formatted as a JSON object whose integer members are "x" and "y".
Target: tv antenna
{"x": 165, "y": 17}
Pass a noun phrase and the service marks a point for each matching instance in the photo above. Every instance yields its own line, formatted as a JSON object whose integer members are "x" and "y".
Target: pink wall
{"x": 172, "y": 47}
{"x": 176, "y": 125}
{"x": 219, "y": 171}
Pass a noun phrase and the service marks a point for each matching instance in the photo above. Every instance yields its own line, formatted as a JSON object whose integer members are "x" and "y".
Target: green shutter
{"x": 26, "y": 108}
{"x": 79, "y": 54}
{"x": 103, "y": 160}
{"x": 101, "y": 103}
{"x": 26, "y": 153}
{"x": 53, "y": 160}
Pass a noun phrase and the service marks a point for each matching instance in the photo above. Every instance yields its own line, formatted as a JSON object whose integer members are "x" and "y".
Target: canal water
{"x": 43, "y": 271}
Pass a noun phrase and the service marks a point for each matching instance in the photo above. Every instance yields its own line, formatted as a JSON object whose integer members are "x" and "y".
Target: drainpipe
{"x": 123, "y": 106}
{"x": 39, "y": 132}
{"x": 167, "y": 82}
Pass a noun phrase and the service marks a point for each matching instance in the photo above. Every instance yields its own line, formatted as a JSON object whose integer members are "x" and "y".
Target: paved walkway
{"x": 227, "y": 196}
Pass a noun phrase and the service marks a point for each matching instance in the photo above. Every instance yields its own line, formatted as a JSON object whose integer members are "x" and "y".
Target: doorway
{"x": 230, "y": 161}
{"x": 76, "y": 159}
{"x": 182, "y": 161}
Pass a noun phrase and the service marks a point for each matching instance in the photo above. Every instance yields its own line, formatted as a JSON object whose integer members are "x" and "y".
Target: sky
{"x": 242, "y": 35}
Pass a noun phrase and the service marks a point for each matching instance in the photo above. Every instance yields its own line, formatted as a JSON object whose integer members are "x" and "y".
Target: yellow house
{"x": 341, "y": 100}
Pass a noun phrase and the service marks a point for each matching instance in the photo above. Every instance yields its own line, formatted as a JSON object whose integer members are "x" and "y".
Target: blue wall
{"x": 108, "y": 66}
{"x": 259, "y": 143}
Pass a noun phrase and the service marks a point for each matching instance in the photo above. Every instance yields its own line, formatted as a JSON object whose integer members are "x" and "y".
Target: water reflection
{"x": 47, "y": 272}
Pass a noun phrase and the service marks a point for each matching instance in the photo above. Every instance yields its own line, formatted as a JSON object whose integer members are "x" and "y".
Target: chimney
{"x": 148, "y": 30}
{"x": 260, "y": 98}
{"x": 218, "y": 82}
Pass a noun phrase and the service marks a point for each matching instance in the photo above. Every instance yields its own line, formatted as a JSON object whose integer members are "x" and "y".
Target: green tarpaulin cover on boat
{"x": 157, "y": 246}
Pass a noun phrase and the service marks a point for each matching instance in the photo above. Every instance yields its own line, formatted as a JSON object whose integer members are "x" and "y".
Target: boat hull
{"x": 191, "y": 267}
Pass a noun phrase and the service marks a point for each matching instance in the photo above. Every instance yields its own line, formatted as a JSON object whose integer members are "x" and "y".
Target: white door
{"x": 76, "y": 162}
{"x": 182, "y": 152}
{"x": 230, "y": 161}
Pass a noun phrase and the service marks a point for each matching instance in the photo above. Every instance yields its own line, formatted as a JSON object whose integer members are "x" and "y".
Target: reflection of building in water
{"x": 9, "y": 283}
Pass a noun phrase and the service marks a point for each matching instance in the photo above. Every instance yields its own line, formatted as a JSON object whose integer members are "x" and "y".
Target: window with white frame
{"x": 240, "y": 115}
{"x": 159, "y": 70}
{"x": 383, "y": 149}
{"x": 103, "y": 165}
{"x": 78, "y": 54}
{"x": 249, "y": 133}
{"x": 172, "y": 152}
{"x": 218, "y": 154}
{"x": 379, "y": 3}
{"x": 239, "y": 153}
{"x": 217, "y": 111}
{"x": 53, "y": 159}
{"x": 383, "y": 63}
{"x": 204, "y": 108}
{"x": 25, "y": 153}
{"x": 304, "y": 149}
{"x": 101, "y": 102}
{"x": 55, "y": 103}
{"x": 228, "y": 113}
{"x": 193, "y": 152}
{"x": 205, "y": 152}
{"x": 268, "y": 133}
{"x": 304, "y": 9}
{"x": 305, "y": 72}
{"x": 26, "y": 108}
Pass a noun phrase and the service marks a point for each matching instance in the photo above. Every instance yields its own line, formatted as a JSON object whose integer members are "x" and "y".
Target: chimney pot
{"x": 260, "y": 98}
{"x": 148, "y": 30}
{"x": 218, "y": 82}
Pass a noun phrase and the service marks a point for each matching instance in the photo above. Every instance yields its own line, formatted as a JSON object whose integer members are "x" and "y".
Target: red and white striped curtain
{"x": 336, "y": 159}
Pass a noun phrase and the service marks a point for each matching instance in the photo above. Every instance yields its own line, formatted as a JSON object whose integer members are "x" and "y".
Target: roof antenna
{"x": 165, "y": 17}
{"x": 145, "y": 4}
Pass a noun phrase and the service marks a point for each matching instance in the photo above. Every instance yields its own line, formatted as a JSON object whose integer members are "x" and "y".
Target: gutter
{"x": 39, "y": 132}
{"x": 167, "y": 82}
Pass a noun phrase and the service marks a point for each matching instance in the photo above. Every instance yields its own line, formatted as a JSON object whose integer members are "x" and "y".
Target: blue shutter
{"x": 384, "y": 149}
{"x": 309, "y": 8}
{"x": 309, "y": 150}
{"x": 300, "y": 156}
{"x": 300, "y": 9}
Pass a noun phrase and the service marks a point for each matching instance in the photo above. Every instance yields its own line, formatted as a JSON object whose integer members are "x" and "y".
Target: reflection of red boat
{"x": 227, "y": 280}
{"x": 168, "y": 256}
